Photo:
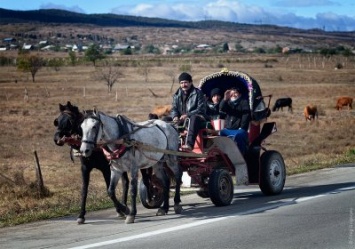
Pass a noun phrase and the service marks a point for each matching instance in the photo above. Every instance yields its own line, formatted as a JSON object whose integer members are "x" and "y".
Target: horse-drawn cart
{"x": 120, "y": 146}
{"x": 215, "y": 159}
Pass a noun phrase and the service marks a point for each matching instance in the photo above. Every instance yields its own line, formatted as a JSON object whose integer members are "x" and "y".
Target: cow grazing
{"x": 344, "y": 101}
{"x": 310, "y": 112}
{"x": 282, "y": 102}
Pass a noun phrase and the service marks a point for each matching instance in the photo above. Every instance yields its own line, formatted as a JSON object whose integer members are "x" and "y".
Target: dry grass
{"x": 28, "y": 125}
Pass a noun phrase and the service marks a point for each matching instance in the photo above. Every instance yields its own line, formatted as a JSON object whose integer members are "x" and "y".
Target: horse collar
{"x": 114, "y": 154}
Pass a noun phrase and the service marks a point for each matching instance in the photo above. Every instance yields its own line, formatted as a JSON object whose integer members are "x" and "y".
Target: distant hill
{"x": 147, "y": 30}
{"x": 62, "y": 16}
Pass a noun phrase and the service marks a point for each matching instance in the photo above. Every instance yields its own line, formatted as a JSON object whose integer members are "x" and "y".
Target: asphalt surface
{"x": 315, "y": 210}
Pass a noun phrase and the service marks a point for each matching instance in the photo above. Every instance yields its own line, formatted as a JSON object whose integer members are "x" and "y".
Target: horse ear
{"x": 95, "y": 110}
{"x": 61, "y": 107}
{"x": 69, "y": 104}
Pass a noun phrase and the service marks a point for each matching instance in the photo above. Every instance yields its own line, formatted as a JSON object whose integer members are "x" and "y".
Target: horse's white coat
{"x": 156, "y": 133}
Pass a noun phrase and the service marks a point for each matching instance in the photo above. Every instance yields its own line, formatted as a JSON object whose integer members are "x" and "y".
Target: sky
{"x": 329, "y": 15}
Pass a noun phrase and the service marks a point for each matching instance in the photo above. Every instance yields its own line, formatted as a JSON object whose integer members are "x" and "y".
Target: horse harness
{"x": 74, "y": 139}
{"x": 123, "y": 143}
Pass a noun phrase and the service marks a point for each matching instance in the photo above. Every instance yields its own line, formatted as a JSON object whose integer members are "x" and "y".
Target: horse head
{"x": 67, "y": 123}
{"x": 92, "y": 130}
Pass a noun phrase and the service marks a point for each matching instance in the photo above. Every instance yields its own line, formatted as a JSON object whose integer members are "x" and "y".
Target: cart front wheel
{"x": 220, "y": 187}
{"x": 272, "y": 173}
{"x": 203, "y": 193}
{"x": 157, "y": 196}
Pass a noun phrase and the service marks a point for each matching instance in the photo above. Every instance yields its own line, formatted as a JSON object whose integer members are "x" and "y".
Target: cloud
{"x": 74, "y": 8}
{"x": 304, "y": 3}
{"x": 334, "y": 22}
{"x": 236, "y": 11}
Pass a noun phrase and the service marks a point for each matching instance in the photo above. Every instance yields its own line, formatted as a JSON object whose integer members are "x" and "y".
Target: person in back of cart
{"x": 213, "y": 104}
{"x": 237, "y": 112}
{"x": 189, "y": 102}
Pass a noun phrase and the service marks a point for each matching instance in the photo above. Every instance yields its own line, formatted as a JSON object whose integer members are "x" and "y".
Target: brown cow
{"x": 344, "y": 101}
{"x": 162, "y": 110}
{"x": 310, "y": 112}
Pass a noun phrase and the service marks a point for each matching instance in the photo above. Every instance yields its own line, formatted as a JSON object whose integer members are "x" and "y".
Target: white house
{"x": 120, "y": 47}
{"x": 27, "y": 46}
{"x": 203, "y": 46}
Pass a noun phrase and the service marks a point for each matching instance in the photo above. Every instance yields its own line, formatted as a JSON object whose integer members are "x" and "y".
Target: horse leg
{"x": 147, "y": 179}
{"x": 85, "y": 175}
{"x": 164, "y": 179}
{"x": 121, "y": 209}
{"x": 106, "y": 172}
{"x": 174, "y": 166}
{"x": 177, "y": 207}
{"x": 125, "y": 186}
{"x": 134, "y": 184}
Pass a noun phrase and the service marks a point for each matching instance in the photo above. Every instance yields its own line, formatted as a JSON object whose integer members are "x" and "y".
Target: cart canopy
{"x": 248, "y": 86}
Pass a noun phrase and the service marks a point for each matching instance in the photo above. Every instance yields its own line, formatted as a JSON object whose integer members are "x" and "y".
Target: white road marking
{"x": 153, "y": 233}
{"x": 279, "y": 203}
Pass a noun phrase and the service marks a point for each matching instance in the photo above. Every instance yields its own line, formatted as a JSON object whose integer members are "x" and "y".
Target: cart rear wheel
{"x": 221, "y": 187}
{"x": 273, "y": 173}
{"x": 157, "y": 196}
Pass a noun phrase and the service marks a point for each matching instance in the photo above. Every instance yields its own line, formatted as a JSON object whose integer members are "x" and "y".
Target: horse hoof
{"x": 130, "y": 219}
{"x": 127, "y": 211}
{"x": 80, "y": 221}
{"x": 178, "y": 209}
{"x": 161, "y": 212}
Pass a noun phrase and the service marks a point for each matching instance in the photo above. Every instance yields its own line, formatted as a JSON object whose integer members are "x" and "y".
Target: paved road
{"x": 316, "y": 210}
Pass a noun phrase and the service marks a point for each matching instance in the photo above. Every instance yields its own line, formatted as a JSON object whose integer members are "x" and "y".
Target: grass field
{"x": 26, "y": 122}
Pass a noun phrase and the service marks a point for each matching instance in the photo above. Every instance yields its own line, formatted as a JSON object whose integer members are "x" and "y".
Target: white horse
{"x": 146, "y": 145}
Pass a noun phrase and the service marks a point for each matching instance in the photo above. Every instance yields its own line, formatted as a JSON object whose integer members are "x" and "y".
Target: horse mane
{"x": 88, "y": 113}
{"x": 119, "y": 116}
{"x": 75, "y": 109}
{"x": 69, "y": 107}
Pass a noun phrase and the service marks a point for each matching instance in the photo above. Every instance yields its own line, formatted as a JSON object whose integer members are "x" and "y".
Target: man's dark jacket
{"x": 196, "y": 103}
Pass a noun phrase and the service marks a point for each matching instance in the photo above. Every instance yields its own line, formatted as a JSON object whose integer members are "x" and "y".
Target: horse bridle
{"x": 72, "y": 117}
{"x": 97, "y": 134}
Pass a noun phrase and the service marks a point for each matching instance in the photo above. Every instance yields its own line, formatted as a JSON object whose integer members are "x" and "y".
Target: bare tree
{"x": 172, "y": 75}
{"x": 144, "y": 69}
{"x": 108, "y": 73}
